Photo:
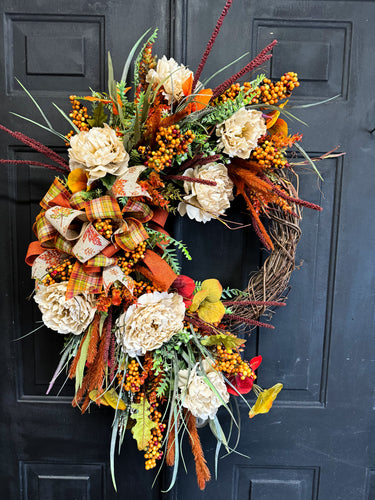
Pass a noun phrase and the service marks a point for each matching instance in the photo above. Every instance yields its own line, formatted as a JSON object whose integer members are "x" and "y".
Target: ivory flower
{"x": 64, "y": 316}
{"x": 197, "y": 396}
{"x": 99, "y": 152}
{"x": 172, "y": 77}
{"x": 203, "y": 201}
{"x": 153, "y": 320}
{"x": 239, "y": 135}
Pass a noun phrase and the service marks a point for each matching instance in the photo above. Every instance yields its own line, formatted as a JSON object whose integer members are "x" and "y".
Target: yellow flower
{"x": 207, "y": 302}
{"x": 265, "y": 400}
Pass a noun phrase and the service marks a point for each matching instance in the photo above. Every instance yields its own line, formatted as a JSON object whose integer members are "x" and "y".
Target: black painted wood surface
{"x": 317, "y": 442}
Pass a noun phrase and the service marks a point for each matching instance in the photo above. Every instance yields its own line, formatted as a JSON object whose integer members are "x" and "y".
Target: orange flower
{"x": 200, "y": 100}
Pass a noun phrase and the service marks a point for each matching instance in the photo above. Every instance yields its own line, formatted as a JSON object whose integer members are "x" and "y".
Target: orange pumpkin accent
{"x": 77, "y": 180}
{"x": 279, "y": 127}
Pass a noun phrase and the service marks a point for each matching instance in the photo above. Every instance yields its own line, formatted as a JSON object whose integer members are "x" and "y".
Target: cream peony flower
{"x": 240, "y": 133}
{"x": 153, "y": 320}
{"x": 64, "y": 316}
{"x": 172, "y": 77}
{"x": 197, "y": 396}
{"x": 204, "y": 201}
{"x": 99, "y": 152}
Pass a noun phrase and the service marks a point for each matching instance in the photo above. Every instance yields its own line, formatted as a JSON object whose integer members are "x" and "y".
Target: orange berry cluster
{"x": 268, "y": 155}
{"x": 141, "y": 287}
{"x": 272, "y": 92}
{"x": 104, "y": 227}
{"x": 128, "y": 261}
{"x": 230, "y": 362}
{"x": 171, "y": 142}
{"x": 233, "y": 91}
{"x": 132, "y": 379}
{"x": 153, "y": 448}
{"x": 78, "y": 116}
{"x": 59, "y": 273}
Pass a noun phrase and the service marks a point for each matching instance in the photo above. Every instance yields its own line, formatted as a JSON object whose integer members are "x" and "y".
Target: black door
{"x": 317, "y": 442}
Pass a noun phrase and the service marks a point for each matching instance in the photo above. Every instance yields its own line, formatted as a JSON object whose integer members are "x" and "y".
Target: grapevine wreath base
{"x": 270, "y": 283}
{"x": 158, "y": 347}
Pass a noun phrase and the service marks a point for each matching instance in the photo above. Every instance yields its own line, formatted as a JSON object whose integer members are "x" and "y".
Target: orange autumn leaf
{"x": 187, "y": 85}
{"x": 77, "y": 180}
{"x": 108, "y": 101}
{"x": 200, "y": 100}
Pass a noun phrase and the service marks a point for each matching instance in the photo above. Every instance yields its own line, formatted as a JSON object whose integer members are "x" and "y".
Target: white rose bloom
{"x": 240, "y": 133}
{"x": 64, "y": 316}
{"x": 203, "y": 201}
{"x": 172, "y": 77}
{"x": 98, "y": 151}
{"x": 197, "y": 396}
{"x": 153, "y": 320}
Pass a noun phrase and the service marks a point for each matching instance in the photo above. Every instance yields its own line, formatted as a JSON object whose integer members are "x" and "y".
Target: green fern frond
{"x": 170, "y": 256}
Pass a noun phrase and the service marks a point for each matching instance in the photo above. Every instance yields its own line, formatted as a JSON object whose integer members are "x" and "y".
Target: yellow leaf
{"x": 77, "y": 180}
{"x": 213, "y": 289}
{"x": 229, "y": 341}
{"x": 265, "y": 400}
{"x": 93, "y": 395}
{"x": 142, "y": 429}
{"x": 113, "y": 399}
{"x": 211, "y": 312}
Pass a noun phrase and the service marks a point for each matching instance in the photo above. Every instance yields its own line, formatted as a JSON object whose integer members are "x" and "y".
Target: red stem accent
{"x": 247, "y": 321}
{"x": 36, "y": 163}
{"x": 112, "y": 358}
{"x": 211, "y": 43}
{"x": 191, "y": 179}
{"x": 253, "y": 303}
{"x": 108, "y": 332}
{"x": 199, "y": 159}
{"x": 257, "y": 61}
{"x": 201, "y": 324}
{"x": 283, "y": 195}
{"x": 37, "y": 146}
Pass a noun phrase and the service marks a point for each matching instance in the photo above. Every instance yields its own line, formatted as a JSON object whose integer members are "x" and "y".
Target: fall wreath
{"x": 158, "y": 347}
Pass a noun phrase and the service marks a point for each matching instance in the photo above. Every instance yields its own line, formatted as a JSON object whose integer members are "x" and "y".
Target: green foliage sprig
{"x": 163, "y": 240}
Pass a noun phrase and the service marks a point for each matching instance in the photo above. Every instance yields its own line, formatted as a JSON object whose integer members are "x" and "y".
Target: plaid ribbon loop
{"x": 65, "y": 224}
